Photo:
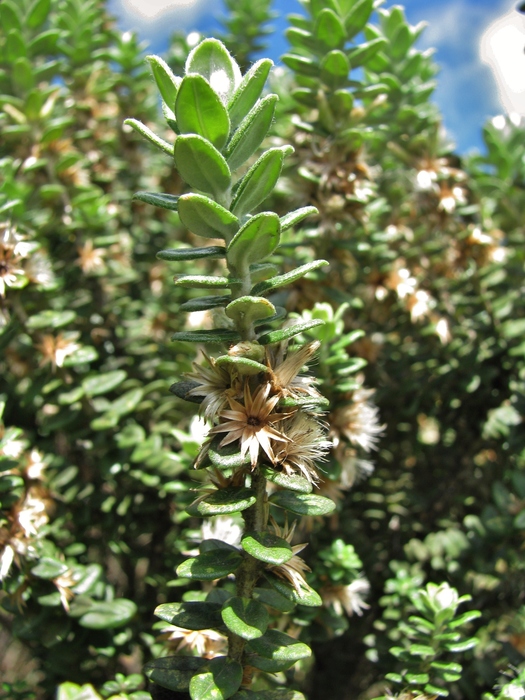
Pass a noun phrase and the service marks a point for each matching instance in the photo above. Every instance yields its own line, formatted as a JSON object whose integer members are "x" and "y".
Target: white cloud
{"x": 502, "y": 47}
{"x": 155, "y": 10}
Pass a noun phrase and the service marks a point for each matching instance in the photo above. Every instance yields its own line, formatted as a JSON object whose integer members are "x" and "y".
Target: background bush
{"x": 423, "y": 304}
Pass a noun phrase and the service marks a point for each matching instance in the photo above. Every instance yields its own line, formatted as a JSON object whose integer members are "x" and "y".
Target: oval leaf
{"x": 279, "y": 646}
{"x": 288, "y": 278}
{"x": 206, "y": 218}
{"x": 285, "y": 333}
{"x": 302, "y": 503}
{"x": 201, "y": 165}
{"x": 244, "y": 617}
{"x": 256, "y": 240}
{"x": 158, "y": 199}
{"x": 212, "y": 60}
{"x": 192, "y": 253}
{"x": 199, "y": 110}
{"x": 259, "y": 181}
{"x": 193, "y": 615}
{"x": 219, "y": 679}
{"x": 108, "y": 614}
{"x": 227, "y": 500}
{"x": 167, "y": 83}
{"x": 251, "y": 132}
{"x": 209, "y": 565}
{"x": 267, "y": 547}
{"x": 249, "y": 91}
{"x": 173, "y": 672}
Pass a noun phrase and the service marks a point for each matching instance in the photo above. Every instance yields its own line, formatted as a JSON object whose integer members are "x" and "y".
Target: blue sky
{"x": 466, "y": 93}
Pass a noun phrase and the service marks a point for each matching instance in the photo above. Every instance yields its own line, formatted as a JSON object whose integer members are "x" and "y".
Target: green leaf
{"x": 205, "y": 303}
{"x": 50, "y": 319}
{"x": 417, "y": 678}
{"x": 363, "y": 53}
{"x": 173, "y": 672}
{"x": 302, "y": 503}
{"x": 23, "y": 73}
{"x": 206, "y": 218}
{"x": 203, "y": 281}
{"x": 293, "y": 483}
{"x": 248, "y": 91}
{"x": 49, "y": 568}
{"x": 212, "y": 60}
{"x": 269, "y": 596}
{"x": 256, "y": 240}
{"x": 288, "y": 278}
{"x": 38, "y": 13}
{"x": 301, "y": 64}
{"x": 259, "y": 181}
{"x": 329, "y": 30}
{"x": 218, "y": 335}
{"x": 9, "y": 17}
{"x": 194, "y": 615}
{"x": 459, "y": 647}
{"x": 400, "y": 43}
{"x": 358, "y": 15}
{"x": 167, "y": 83}
{"x": 219, "y": 679}
{"x": 279, "y": 694}
{"x": 127, "y": 403}
{"x": 244, "y": 617}
{"x": 103, "y": 383}
{"x": 304, "y": 595}
{"x": 513, "y": 329}
{"x": 199, "y": 110}
{"x": 226, "y": 500}
{"x": 243, "y": 365}
{"x": 192, "y": 253}
{"x": 294, "y": 217}
{"x": 166, "y": 201}
{"x": 279, "y": 646}
{"x": 285, "y": 333}
{"x": 210, "y": 565}
{"x": 251, "y": 132}
{"x": 335, "y": 68}
{"x": 148, "y": 134}
{"x": 228, "y": 457}
{"x": 267, "y": 547}
{"x": 519, "y": 521}
{"x": 201, "y": 165}
{"x": 421, "y": 650}
{"x": 108, "y": 614}
{"x": 246, "y": 310}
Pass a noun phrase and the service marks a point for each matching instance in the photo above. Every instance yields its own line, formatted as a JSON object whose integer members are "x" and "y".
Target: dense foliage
{"x": 346, "y": 236}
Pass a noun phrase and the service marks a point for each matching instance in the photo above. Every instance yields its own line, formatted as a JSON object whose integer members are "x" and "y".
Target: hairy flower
{"x": 10, "y": 260}
{"x": 90, "y": 259}
{"x": 284, "y": 372}
{"x": 214, "y": 384}
{"x": 293, "y": 569}
{"x": 306, "y": 446}
{"x": 358, "y": 421}
{"x": 252, "y": 423}
{"x": 207, "y": 643}
{"x": 348, "y": 598}
{"x": 55, "y": 349}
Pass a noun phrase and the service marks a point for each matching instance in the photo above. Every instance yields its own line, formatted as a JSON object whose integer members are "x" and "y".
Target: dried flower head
{"x": 215, "y": 384}
{"x": 284, "y": 373}
{"x": 293, "y": 570}
{"x": 55, "y": 349}
{"x": 306, "y": 445}
{"x": 358, "y": 421}
{"x": 346, "y": 598}
{"x": 206, "y": 643}
{"x": 11, "y": 256}
{"x": 252, "y": 423}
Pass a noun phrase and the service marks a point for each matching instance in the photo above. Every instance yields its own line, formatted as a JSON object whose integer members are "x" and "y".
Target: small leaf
{"x": 49, "y": 568}
{"x": 358, "y": 15}
{"x": 244, "y": 617}
{"x": 148, "y": 134}
{"x": 227, "y": 457}
{"x": 243, "y": 365}
{"x": 50, "y": 319}
{"x": 329, "y": 30}
{"x": 205, "y": 303}
{"x": 363, "y": 53}
{"x": 267, "y": 547}
{"x": 301, "y": 64}
{"x": 227, "y": 500}
{"x": 421, "y": 650}
{"x": 201, "y": 165}
{"x": 203, "y": 281}
{"x": 303, "y": 595}
{"x": 293, "y": 483}
{"x": 127, "y": 402}
{"x": 259, "y": 181}
{"x": 270, "y": 597}
{"x": 206, "y": 218}
{"x": 166, "y": 201}
{"x": 199, "y": 110}
{"x": 103, "y": 383}
{"x": 288, "y": 278}
{"x": 256, "y": 240}
{"x": 194, "y": 615}
{"x": 246, "y": 310}
{"x": 212, "y": 60}
{"x": 294, "y": 217}
{"x": 278, "y": 694}
{"x": 38, "y": 13}
{"x": 167, "y": 83}
{"x": 279, "y": 646}
{"x": 173, "y": 672}
{"x": 302, "y": 503}
{"x": 459, "y": 647}
{"x": 285, "y": 333}
{"x": 210, "y": 565}
{"x": 217, "y": 335}
{"x": 251, "y": 132}
{"x": 335, "y": 68}
{"x": 108, "y": 614}
{"x": 192, "y": 253}
{"x": 248, "y": 91}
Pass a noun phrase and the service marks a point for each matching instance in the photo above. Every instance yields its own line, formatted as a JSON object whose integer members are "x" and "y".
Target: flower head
{"x": 251, "y": 423}
{"x": 358, "y": 421}
{"x": 293, "y": 569}
{"x": 215, "y": 385}
{"x": 306, "y": 446}
{"x": 348, "y": 598}
{"x": 284, "y": 374}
